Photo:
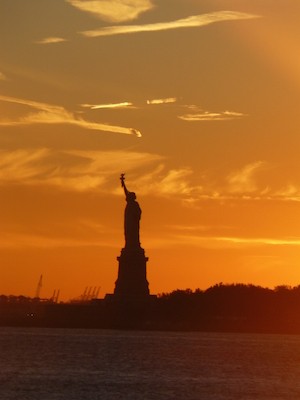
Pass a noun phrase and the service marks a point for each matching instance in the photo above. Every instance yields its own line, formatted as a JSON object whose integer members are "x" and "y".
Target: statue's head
{"x": 131, "y": 196}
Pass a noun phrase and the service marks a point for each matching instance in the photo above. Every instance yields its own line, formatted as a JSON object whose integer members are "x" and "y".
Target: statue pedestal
{"x": 132, "y": 282}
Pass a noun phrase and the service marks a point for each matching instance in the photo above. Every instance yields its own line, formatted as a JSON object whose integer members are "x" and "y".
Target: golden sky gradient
{"x": 196, "y": 101}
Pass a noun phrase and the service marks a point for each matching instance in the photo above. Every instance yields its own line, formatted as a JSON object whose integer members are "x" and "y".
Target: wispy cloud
{"x": 190, "y": 22}
{"x": 171, "y": 239}
{"x": 289, "y": 193}
{"x": 161, "y": 181}
{"x": 125, "y": 104}
{"x": 70, "y": 170}
{"x": 113, "y": 10}
{"x": 58, "y": 234}
{"x": 52, "y": 114}
{"x": 193, "y": 228}
{"x": 2, "y": 77}
{"x": 50, "y": 40}
{"x": 78, "y": 170}
{"x": 25, "y": 240}
{"x": 243, "y": 180}
{"x": 162, "y": 101}
{"x": 176, "y": 182}
{"x": 244, "y": 184}
{"x": 232, "y": 242}
{"x": 261, "y": 241}
{"x": 197, "y": 114}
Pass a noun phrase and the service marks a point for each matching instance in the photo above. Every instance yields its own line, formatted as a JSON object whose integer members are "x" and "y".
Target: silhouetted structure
{"x": 131, "y": 218}
{"x": 220, "y": 308}
{"x": 132, "y": 282}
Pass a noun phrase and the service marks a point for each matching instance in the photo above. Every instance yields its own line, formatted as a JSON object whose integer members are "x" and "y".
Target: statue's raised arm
{"x": 122, "y": 179}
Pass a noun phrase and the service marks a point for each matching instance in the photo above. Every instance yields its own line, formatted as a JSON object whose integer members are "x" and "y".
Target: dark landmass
{"x": 221, "y": 308}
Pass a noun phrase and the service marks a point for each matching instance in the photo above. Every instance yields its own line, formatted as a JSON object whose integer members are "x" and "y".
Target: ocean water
{"x": 58, "y": 364}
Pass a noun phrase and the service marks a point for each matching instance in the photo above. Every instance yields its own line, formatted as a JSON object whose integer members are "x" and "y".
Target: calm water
{"x": 52, "y": 364}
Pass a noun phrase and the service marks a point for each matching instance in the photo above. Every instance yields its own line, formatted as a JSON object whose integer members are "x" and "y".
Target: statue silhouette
{"x": 131, "y": 285}
{"x": 131, "y": 218}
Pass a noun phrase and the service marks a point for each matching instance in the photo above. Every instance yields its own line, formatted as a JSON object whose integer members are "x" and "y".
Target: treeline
{"x": 226, "y": 308}
{"x": 11, "y": 299}
{"x": 232, "y": 307}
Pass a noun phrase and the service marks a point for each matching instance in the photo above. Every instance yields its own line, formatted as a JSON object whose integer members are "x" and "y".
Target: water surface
{"x": 58, "y": 364}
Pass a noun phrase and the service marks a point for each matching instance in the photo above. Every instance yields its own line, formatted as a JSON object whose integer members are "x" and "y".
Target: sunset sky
{"x": 197, "y": 101}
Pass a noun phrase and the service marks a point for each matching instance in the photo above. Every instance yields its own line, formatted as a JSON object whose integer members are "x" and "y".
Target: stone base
{"x": 132, "y": 282}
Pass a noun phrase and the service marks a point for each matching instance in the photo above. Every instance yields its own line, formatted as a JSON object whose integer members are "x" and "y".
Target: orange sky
{"x": 197, "y": 101}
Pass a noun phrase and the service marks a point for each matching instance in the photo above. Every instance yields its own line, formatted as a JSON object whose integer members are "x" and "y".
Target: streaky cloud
{"x": 289, "y": 193}
{"x": 162, "y": 101}
{"x": 236, "y": 242}
{"x": 190, "y": 22}
{"x": 127, "y": 104}
{"x": 52, "y": 114}
{"x": 261, "y": 241}
{"x": 198, "y": 114}
{"x": 71, "y": 170}
{"x": 124, "y": 104}
{"x": 18, "y": 240}
{"x": 113, "y": 10}
{"x": 168, "y": 182}
{"x": 243, "y": 180}
{"x": 233, "y": 114}
{"x": 94, "y": 170}
{"x": 51, "y": 40}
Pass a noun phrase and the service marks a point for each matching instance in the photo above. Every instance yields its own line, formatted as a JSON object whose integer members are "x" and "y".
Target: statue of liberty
{"x": 131, "y": 284}
{"x": 132, "y": 218}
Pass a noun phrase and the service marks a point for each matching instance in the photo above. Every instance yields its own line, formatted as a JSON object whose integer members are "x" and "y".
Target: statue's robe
{"x": 132, "y": 224}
